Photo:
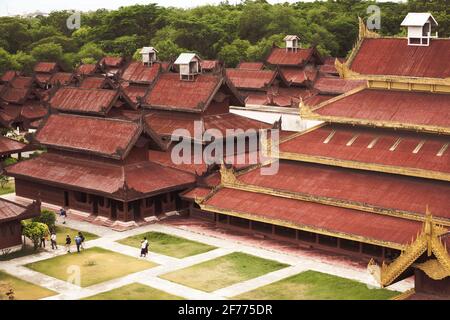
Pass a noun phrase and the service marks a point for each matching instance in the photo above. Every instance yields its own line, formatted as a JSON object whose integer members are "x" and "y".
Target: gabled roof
{"x": 186, "y": 58}
{"x": 99, "y": 82}
{"x": 251, "y": 65}
{"x": 138, "y": 72}
{"x": 122, "y": 182}
{"x": 62, "y": 78}
{"x": 79, "y": 100}
{"x": 147, "y": 50}
{"x": 21, "y": 82}
{"x": 104, "y": 137}
{"x": 298, "y": 76}
{"x": 417, "y": 19}
{"x": 9, "y": 146}
{"x": 45, "y": 67}
{"x": 112, "y": 61}
{"x": 10, "y": 211}
{"x": 393, "y": 56}
{"x": 251, "y": 79}
{"x": 209, "y": 64}
{"x": 284, "y": 57}
{"x": 86, "y": 69}
{"x": 136, "y": 92}
{"x": 402, "y": 109}
{"x": 170, "y": 93}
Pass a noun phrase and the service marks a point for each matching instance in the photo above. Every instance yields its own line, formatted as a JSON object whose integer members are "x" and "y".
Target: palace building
{"x": 359, "y": 182}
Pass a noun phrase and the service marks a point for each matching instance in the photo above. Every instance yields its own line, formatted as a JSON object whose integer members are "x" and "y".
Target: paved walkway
{"x": 167, "y": 264}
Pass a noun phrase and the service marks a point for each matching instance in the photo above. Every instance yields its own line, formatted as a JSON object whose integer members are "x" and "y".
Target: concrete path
{"x": 150, "y": 277}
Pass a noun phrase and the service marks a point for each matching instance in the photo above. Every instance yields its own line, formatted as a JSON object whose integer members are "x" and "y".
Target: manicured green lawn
{"x": 134, "y": 291}
{"x": 312, "y": 285}
{"x": 223, "y": 271}
{"x": 96, "y": 265}
{"x": 23, "y": 290}
{"x": 8, "y": 188}
{"x": 25, "y": 251}
{"x": 62, "y": 232}
{"x": 168, "y": 245}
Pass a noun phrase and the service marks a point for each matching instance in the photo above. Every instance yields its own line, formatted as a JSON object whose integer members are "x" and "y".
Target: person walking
{"x": 53, "y": 241}
{"x": 63, "y": 214}
{"x": 68, "y": 243}
{"x": 82, "y": 239}
{"x": 144, "y": 247}
{"x": 78, "y": 243}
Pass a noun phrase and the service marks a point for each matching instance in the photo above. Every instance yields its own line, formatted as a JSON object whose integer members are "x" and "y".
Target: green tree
{"x": 34, "y": 231}
{"x": 6, "y": 61}
{"x": 47, "y": 217}
{"x": 24, "y": 61}
{"x": 91, "y": 50}
{"x": 47, "y": 52}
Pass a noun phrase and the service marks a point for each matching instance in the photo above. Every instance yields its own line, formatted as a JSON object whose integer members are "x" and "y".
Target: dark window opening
{"x": 328, "y": 241}
{"x": 261, "y": 227}
{"x": 285, "y": 232}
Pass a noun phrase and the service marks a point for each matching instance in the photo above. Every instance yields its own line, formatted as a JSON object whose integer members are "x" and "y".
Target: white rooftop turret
{"x": 189, "y": 65}
{"x": 419, "y": 26}
{"x": 148, "y": 55}
{"x": 292, "y": 42}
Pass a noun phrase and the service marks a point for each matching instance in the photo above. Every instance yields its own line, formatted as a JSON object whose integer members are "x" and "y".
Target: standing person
{"x": 78, "y": 242}
{"x": 53, "y": 240}
{"x": 42, "y": 245}
{"x": 63, "y": 214}
{"x": 82, "y": 239}
{"x": 68, "y": 243}
{"x": 144, "y": 247}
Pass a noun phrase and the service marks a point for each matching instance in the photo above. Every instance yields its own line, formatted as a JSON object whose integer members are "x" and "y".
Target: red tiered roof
{"x": 112, "y": 61}
{"x": 137, "y": 72}
{"x": 15, "y": 95}
{"x": 393, "y": 56}
{"x": 10, "y": 211}
{"x": 251, "y": 79}
{"x": 317, "y": 217}
{"x": 283, "y": 57}
{"x": 62, "y": 78}
{"x": 21, "y": 82}
{"x": 84, "y": 100}
{"x": 105, "y": 137}
{"x": 100, "y": 177}
{"x": 8, "y": 75}
{"x": 298, "y": 76}
{"x": 209, "y": 64}
{"x": 352, "y": 144}
{"x": 391, "y": 106}
{"x": 365, "y": 188}
{"x": 93, "y": 83}
{"x": 133, "y": 91}
{"x": 251, "y": 65}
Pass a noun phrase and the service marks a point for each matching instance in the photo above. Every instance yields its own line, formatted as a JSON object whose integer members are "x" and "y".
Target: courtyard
{"x": 183, "y": 263}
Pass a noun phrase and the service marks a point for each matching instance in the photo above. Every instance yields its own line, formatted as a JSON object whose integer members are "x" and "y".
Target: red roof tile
{"x": 133, "y": 91}
{"x": 92, "y": 101}
{"x": 335, "y": 85}
{"x": 171, "y": 92}
{"x": 406, "y": 107}
{"x": 14, "y": 95}
{"x": 393, "y": 56}
{"x": 46, "y": 67}
{"x": 105, "y": 137}
{"x": 22, "y": 82}
{"x": 298, "y": 75}
{"x": 208, "y": 64}
{"x": 281, "y": 56}
{"x": 137, "y": 72}
{"x": 86, "y": 69}
{"x": 312, "y": 143}
{"x": 13, "y": 211}
{"x": 63, "y": 78}
{"x": 101, "y": 177}
{"x": 323, "y": 218}
{"x": 93, "y": 83}
{"x": 317, "y": 99}
{"x": 8, "y": 76}
{"x": 365, "y": 188}
{"x": 165, "y": 158}
{"x": 43, "y": 78}
{"x": 197, "y": 192}
{"x": 251, "y": 79}
{"x": 251, "y": 65}
{"x": 9, "y": 146}
{"x": 112, "y": 61}
{"x": 165, "y": 123}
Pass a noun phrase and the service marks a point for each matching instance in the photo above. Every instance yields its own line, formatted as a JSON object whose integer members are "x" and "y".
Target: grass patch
{"x": 23, "y": 290}
{"x": 134, "y": 291}
{"x": 62, "y": 232}
{"x": 312, "y": 285}
{"x": 10, "y": 187}
{"x": 168, "y": 245}
{"x": 96, "y": 265}
{"x": 223, "y": 271}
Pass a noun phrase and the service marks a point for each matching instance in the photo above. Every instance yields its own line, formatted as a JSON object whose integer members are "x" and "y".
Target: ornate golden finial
{"x": 428, "y": 230}
{"x": 227, "y": 176}
{"x": 364, "y": 32}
